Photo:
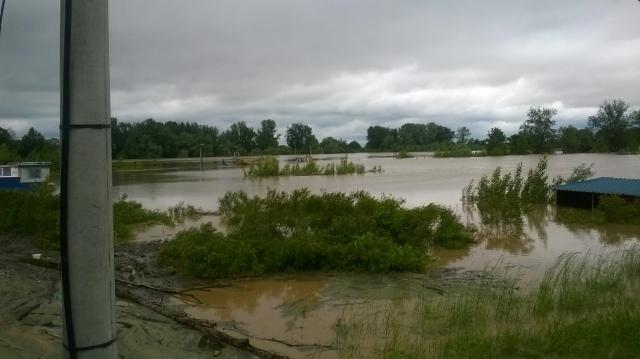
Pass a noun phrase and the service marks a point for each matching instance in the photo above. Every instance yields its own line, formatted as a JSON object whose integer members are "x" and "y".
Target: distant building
{"x": 586, "y": 194}
{"x": 23, "y": 175}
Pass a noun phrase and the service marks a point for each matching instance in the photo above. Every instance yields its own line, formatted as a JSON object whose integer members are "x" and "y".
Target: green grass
{"x": 301, "y": 231}
{"x": 584, "y": 307}
{"x": 269, "y": 167}
{"x": 35, "y": 214}
{"x": 127, "y": 215}
{"x": 459, "y": 152}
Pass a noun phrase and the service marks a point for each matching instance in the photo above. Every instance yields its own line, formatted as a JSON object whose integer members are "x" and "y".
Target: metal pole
{"x": 86, "y": 219}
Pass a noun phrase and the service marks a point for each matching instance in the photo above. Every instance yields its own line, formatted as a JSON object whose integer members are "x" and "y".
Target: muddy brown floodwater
{"x": 299, "y": 315}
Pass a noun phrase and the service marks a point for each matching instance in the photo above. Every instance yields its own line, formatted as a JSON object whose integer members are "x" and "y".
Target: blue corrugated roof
{"x": 605, "y": 185}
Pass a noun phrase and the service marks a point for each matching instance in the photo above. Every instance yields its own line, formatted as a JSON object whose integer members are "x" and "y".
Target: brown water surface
{"x": 300, "y": 314}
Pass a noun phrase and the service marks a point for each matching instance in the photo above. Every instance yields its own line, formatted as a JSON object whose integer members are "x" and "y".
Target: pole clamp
{"x": 91, "y": 347}
{"x": 92, "y": 126}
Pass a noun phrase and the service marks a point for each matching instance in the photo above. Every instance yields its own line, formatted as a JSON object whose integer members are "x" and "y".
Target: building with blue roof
{"x": 586, "y": 194}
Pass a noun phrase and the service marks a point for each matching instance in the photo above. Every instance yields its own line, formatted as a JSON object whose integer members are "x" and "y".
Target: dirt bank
{"x": 31, "y": 327}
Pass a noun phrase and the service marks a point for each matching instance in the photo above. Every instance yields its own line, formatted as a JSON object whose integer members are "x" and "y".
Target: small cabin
{"x": 23, "y": 175}
{"x": 586, "y": 194}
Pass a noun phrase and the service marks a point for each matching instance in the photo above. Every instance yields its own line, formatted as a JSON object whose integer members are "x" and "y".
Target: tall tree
{"x": 31, "y": 141}
{"x": 355, "y": 146}
{"x": 300, "y": 137}
{"x": 266, "y": 137}
{"x": 462, "y": 135}
{"x": 496, "y": 142}
{"x": 573, "y": 140}
{"x": 6, "y": 136}
{"x": 539, "y": 129}
{"x": 376, "y": 136}
{"x": 611, "y": 123}
{"x": 242, "y": 136}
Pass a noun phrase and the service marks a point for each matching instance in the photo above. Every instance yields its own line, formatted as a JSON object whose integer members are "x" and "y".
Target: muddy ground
{"x": 30, "y": 307}
{"x": 154, "y": 321}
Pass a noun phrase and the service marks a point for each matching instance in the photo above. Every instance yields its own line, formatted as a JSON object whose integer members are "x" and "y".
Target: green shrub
{"x": 127, "y": 214}
{"x": 265, "y": 167}
{"x": 617, "y": 210}
{"x": 328, "y": 231}
{"x": 35, "y": 213}
{"x": 31, "y": 213}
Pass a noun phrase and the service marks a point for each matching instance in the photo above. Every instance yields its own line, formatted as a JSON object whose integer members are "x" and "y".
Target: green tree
{"x": 300, "y": 137}
{"x": 242, "y": 136}
{"x": 496, "y": 142}
{"x": 573, "y": 140}
{"x": 8, "y": 154}
{"x": 610, "y": 123}
{"x": 377, "y": 136}
{"x": 355, "y": 146}
{"x": 519, "y": 144}
{"x": 266, "y": 137}
{"x": 31, "y": 141}
{"x": 462, "y": 135}
{"x": 6, "y": 136}
{"x": 539, "y": 129}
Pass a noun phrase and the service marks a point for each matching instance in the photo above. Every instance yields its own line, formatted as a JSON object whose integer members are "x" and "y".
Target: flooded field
{"x": 300, "y": 314}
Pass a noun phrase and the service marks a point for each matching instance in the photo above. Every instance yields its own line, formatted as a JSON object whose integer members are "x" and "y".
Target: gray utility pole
{"x": 86, "y": 218}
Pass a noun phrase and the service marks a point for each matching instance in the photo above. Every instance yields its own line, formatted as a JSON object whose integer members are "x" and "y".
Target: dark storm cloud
{"x": 337, "y": 65}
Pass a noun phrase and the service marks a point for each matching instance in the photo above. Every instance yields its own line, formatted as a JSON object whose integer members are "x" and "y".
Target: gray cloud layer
{"x": 337, "y": 65}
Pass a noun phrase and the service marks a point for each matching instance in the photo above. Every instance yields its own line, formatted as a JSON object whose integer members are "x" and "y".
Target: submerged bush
{"x": 502, "y": 197}
{"x": 269, "y": 167}
{"x": 265, "y": 167}
{"x": 616, "y": 209}
{"x": 328, "y": 231}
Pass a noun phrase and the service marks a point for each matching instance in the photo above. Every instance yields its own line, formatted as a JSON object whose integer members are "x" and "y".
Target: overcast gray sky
{"x": 339, "y": 66}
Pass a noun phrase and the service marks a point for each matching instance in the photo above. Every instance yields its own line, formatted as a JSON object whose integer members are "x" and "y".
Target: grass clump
{"x": 265, "y": 167}
{"x": 269, "y": 167}
{"x": 459, "y": 152}
{"x": 300, "y": 231}
{"x": 584, "y": 307}
{"x": 130, "y": 214}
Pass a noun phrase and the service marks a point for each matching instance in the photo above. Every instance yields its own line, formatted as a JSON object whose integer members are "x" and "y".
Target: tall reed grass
{"x": 270, "y": 167}
{"x": 585, "y": 306}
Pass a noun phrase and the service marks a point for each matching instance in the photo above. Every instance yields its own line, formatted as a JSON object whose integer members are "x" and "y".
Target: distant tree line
{"x": 152, "y": 139}
{"x": 612, "y": 128}
{"x": 33, "y": 146}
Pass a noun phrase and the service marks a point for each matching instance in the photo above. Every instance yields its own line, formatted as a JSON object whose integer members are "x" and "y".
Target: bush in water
{"x": 304, "y": 231}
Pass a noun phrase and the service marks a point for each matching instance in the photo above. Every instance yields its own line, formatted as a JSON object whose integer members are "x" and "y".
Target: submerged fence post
{"x": 86, "y": 219}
